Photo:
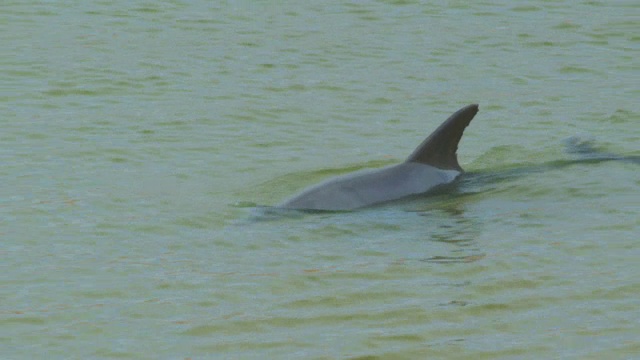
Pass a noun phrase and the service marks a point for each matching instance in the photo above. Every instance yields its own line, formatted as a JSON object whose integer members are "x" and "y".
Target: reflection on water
{"x": 453, "y": 259}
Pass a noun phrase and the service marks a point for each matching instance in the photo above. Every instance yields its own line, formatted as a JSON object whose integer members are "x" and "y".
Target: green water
{"x": 137, "y": 137}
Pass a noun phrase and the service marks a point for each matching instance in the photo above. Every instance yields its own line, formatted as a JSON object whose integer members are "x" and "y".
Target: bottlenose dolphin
{"x": 434, "y": 162}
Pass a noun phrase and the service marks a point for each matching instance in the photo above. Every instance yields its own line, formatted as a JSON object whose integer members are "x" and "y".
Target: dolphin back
{"x": 369, "y": 187}
{"x": 439, "y": 149}
{"x": 432, "y": 164}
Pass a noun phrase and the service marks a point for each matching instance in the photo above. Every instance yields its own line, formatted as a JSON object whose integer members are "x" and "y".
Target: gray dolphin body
{"x": 431, "y": 164}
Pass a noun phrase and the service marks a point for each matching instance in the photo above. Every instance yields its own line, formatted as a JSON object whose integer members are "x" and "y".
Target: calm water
{"x": 138, "y": 138}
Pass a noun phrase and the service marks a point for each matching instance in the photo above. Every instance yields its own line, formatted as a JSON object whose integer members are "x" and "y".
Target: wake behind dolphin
{"x": 433, "y": 163}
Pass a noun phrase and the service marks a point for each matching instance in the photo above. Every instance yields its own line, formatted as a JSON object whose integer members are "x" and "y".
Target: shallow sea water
{"x": 140, "y": 140}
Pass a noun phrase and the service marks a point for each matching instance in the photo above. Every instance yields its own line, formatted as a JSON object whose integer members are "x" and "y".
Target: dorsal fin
{"x": 439, "y": 149}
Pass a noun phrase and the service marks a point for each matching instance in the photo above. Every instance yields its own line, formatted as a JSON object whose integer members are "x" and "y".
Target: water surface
{"x": 138, "y": 138}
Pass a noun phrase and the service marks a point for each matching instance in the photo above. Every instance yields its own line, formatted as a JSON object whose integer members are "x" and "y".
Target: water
{"x": 137, "y": 139}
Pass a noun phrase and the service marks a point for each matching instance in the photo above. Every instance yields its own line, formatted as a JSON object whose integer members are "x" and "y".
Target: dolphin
{"x": 433, "y": 163}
